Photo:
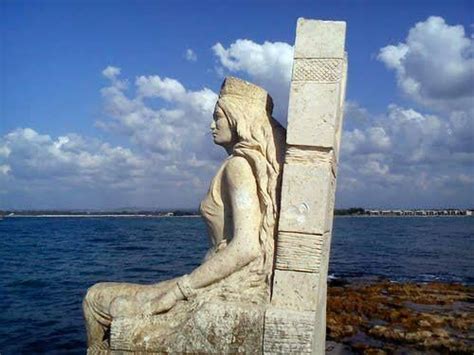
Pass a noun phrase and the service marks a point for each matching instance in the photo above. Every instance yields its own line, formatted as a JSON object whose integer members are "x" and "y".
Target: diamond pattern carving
{"x": 318, "y": 69}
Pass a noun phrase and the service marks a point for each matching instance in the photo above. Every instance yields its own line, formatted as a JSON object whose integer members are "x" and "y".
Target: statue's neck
{"x": 229, "y": 149}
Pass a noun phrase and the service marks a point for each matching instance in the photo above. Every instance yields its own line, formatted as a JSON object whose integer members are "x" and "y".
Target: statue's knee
{"x": 92, "y": 294}
{"x": 123, "y": 306}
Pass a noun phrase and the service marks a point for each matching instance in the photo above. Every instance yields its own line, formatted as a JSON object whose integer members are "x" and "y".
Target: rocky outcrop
{"x": 384, "y": 317}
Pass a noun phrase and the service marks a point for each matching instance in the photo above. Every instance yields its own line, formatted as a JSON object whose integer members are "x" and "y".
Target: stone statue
{"x": 241, "y": 213}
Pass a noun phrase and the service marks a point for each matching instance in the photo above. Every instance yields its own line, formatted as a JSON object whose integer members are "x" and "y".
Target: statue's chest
{"x": 213, "y": 210}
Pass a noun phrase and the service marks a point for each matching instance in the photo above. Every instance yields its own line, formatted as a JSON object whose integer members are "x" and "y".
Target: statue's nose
{"x": 213, "y": 125}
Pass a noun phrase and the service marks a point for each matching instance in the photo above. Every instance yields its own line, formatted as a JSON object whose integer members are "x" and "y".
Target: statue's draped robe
{"x": 247, "y": 285}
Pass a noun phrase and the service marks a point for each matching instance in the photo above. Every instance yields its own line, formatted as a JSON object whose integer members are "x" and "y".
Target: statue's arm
{"x": 240, "y": 189}
{"x": 240, "y": 193}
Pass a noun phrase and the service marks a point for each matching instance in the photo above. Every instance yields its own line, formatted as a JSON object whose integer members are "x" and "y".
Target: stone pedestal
{"x": 213, "y": 328}
{"x": 296, "y": 319}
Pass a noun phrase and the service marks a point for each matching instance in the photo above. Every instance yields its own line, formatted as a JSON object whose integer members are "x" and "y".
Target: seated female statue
{"x": 240, "y": 211}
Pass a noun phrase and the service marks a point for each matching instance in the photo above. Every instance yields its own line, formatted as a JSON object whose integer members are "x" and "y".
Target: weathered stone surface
{"x": 319, "y": 332}
{"x": 316, "y": 106}
{"x": 322, "y": 70}
{"x": 309, "y": 180}
{"x": 301, "y": 154}
{"x": 288, "y": 332}
{"x": 299, "y": 251}
{"x": 295, "y": 290}
{"x": 217, "y": 327}
{"x": 331, "y": 198}
{"x": 319, "y": 39}
{"x": 305, "y": 198}
{"x": 340, "y": 114}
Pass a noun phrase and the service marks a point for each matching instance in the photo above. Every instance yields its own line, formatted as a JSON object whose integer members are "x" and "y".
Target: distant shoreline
{"x": 195, "y": 216}
{"x": 98, "y": 216}
{"x": 145, "y": 213}
{"x": 398, "y": 216}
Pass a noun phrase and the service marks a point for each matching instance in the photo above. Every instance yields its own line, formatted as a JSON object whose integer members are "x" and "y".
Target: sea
{"x": 47, "y": 264}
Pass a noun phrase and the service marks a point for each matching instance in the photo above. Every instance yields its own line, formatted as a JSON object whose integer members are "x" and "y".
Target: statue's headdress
{"x": 244, "y": 90}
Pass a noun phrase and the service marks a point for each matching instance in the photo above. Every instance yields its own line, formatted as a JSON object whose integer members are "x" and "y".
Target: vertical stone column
{"x": 296, "y": 320}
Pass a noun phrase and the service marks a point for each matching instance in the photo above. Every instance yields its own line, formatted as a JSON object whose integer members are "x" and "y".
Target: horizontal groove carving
{"x": 308, "y": 155}
{"x": 299, "y": 252}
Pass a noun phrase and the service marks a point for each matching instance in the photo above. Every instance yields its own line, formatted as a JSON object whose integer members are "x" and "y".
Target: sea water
{"x": 47, "y": 264}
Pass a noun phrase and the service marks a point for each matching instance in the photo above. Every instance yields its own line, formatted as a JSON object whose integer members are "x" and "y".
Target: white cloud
{"x": 401, "y": 158}
{"x": 190, "y": 55}
{"x": 435, "y": 65}
{"x": 4, "y": 151}
{"x": 71, "y": 157}
{"x": 5, "y": 169}
{"x": 111, "y": 72}
{"x": 170, "y": 125}
{"x": 154, "y": 86}
{"x": 42, "y": 171}
{"x": 262, "y": 61}
{"x": 170, "y": 149}
{"x": 268, "y": 64}
{"x": 168, "y": 129}
{"x": 404, "y": 158}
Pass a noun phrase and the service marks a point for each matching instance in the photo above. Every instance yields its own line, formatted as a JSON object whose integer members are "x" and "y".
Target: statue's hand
{"x": 161, "y": 304}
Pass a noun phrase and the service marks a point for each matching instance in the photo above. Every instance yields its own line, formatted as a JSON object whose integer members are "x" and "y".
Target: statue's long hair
{"x": 261, "y": 141}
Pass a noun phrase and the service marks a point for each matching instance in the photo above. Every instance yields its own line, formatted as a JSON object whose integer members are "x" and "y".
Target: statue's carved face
{"x": 220, "y": 128}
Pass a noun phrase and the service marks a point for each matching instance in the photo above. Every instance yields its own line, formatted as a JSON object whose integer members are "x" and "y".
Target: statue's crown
{"x": 241, "y": 88}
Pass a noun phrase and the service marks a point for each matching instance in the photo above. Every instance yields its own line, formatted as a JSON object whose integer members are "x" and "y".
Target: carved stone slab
{"x": 299, "y": 251}
{"x": 218, "y": 327}
{"x": 288, "y": 332}
{"x": 305, "y": 197}
{"x": 308, "y": 188}
{"x": 295, "y": 290}
{"x": 316, "y": 106}
{"x": 319, "y": 39}
{"x": 327, "y": 70}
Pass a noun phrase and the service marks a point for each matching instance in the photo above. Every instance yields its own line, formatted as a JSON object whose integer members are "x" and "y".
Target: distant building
{"x": 374, "y": 213}
{"x": 420, "y": 212}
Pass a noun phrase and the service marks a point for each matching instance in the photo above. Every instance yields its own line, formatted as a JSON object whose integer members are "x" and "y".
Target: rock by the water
{"x": 384, "y": 317}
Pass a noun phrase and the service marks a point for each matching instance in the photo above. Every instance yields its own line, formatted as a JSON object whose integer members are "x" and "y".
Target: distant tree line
{"x": 339, "y": 212}
{"x": 349, "y": 211}
{"x": 353, "y": 211}
{"x": 97, "y": 213}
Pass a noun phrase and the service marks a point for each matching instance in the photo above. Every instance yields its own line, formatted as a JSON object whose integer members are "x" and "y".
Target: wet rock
{"x": 386, "y": 317}
{"x": 372, "y": 351}
{"x": 424, "y": 323}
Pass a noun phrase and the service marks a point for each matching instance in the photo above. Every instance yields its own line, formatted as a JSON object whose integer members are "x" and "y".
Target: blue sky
{"x": 74, "y": 134}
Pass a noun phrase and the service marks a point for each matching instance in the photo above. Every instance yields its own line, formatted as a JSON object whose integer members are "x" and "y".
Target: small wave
{"x": 129, "y": 248}
{"x": 142, "y": 270}
{"x": 100, "y": 240}
{"x": 33, "y": 283}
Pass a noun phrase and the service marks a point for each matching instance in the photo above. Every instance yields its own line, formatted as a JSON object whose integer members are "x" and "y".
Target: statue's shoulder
{"x": 238, "y": 169}
{"x": 237, "y": 164}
